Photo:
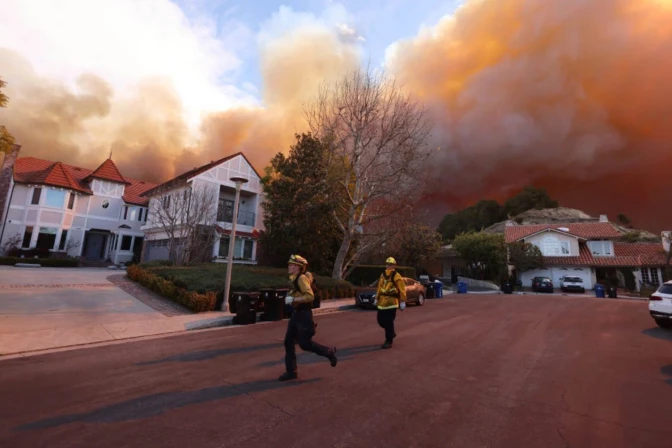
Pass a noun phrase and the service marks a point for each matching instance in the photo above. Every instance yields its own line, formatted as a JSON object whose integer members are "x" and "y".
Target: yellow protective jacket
{"x": 304, "y": 294}
{"x": 391, "y": 291}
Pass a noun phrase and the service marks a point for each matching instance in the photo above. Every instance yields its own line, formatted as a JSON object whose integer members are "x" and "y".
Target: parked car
{"x": 542, "y": 284}
{"x": 416, "y": 293}
{"x": 660, "y": 305}
{"x": 572, "y": 284}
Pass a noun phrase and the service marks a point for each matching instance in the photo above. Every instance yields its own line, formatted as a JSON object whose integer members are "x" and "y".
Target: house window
{"x": 46, "y": 238}
{"x": 125, "y": 213}
{"x": 242, "y": 249}
{"x": 71, "y": 201}
{"x": 64, "y": 237}
{"x": 27, "y": 236}
{"x": 55, "y": 198}
{"x": 126, "y": 241}
{"x": 564, "y": 245}
{"x": 225, "y": 210}
{"x": 550, "y": 246}
{"x": 140, "y": 213}
{"x": 601, "y": 248}
{"x": 166, "y": 201}
{"x": 650, "y": 276}
{"x": 37, "y": 192}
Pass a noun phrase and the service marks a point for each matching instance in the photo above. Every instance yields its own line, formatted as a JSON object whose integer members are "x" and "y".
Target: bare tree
{"x": 376, "y": 137}
{"x": 11, "y": 243}
{"x": 187, "y": 218}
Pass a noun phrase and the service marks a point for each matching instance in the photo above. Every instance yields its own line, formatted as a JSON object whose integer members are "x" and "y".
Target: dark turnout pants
{"x": 301, "y": 328}
{"x": 386, "y": 321}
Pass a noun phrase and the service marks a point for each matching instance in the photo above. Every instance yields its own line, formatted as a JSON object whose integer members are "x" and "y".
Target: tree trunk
{"x": 337, "y": 272}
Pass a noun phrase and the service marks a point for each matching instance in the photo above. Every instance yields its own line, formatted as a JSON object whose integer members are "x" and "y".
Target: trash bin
{"x": 246, "y": 307}
{"x": 599, "y": 291}
{"x": 287, "y": 309}
{"x": 611, "y": 292}
{"x": 461, "y": 287}
{"x": 438, "y": 289}
{"x": 429, "y": 290}
{"x": 507, "y": 287}
{"x": 273, "y": 306}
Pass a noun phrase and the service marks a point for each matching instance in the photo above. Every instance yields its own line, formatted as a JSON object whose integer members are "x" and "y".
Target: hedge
{"x": 193, "y": 300}
{"x": 45, "y": 262}
{"x": 211, "y": 277}
{"x": 365, "y": 275}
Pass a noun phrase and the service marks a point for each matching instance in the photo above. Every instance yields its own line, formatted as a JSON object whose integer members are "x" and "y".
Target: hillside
{"x": 570, "y": 215}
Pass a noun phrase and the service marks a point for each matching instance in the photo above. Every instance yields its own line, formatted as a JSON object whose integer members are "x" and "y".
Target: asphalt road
{"x": 473, "y": 371}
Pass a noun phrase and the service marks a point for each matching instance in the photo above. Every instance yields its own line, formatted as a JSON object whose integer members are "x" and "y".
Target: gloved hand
{"x": 375, "y": 301}
{"x": 402, "y": 305}
{"x": 289, "y": 300}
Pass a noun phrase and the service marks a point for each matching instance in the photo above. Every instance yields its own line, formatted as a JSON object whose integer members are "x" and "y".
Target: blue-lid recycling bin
{"x": 461, "y": 288}
{"x": 438, "y": 289}
{"x": 599, "y": 291}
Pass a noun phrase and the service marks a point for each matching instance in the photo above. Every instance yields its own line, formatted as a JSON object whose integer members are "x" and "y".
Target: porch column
{"x": 638, "y": 279}
{"x": 81, "y": 243}
{"x": 215, "y": 247}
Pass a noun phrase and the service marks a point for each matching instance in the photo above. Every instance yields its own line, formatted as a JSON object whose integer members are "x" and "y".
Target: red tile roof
{"x": 29, "y": 170}
{"x": 108, "y": 171}
{"x": 625, "y": 255}
{"x": 586, "y": 230}
{"x": 184, "y": 177}
{"x": 222, "y": 231}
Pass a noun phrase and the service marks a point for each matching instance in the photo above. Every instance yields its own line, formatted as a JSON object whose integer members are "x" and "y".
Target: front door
{"x": 95, "y": 246}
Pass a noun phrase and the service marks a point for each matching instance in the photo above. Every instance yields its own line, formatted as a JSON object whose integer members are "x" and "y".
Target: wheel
{"x": 421, "y": 300}
{"x": 664, "y": 323}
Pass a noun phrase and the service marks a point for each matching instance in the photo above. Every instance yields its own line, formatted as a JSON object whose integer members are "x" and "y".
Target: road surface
{"x": 466, "y": 371}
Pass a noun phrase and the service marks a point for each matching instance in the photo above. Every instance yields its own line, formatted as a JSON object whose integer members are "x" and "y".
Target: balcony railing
{"x": 244, "y": 218}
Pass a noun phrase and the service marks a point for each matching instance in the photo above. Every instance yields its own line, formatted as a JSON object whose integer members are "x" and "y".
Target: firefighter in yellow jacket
{"x": 391, "y": 294}
{"x": 301, "y": 327}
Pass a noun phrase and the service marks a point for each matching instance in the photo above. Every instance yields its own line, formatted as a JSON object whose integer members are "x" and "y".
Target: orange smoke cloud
{"x": 145, "y": 128}
{"x": 572, "y": 95}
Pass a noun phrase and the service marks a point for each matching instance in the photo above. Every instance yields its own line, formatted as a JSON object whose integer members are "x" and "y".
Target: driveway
{"x": 465, "y": 371}
{"x": 39, "y": 304}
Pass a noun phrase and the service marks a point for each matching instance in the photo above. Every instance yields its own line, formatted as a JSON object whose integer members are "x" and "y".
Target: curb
{"x": 226, "y": 321}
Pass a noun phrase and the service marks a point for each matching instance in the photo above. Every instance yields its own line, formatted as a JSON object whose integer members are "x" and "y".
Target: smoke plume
{"x": 572, "y": 95}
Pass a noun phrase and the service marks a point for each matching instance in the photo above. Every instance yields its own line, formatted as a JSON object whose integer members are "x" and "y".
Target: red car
{"x": 416, "y": 293}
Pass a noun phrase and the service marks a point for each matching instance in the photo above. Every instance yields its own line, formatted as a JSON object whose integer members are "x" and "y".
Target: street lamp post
{"x": 232, "y": 241}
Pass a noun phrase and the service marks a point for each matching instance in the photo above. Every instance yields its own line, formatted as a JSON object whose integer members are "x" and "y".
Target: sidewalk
{"x": 26, "y": 342}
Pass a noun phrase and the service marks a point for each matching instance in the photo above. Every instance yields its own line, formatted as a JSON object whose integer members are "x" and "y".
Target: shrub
{"x": 46, "y": 262}
{"x": 365, "y": 275}
{"x": 629, "y": 277}
{"x": 193, "y": 300}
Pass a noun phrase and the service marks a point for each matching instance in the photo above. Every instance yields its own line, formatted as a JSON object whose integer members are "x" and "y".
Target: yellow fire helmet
{"x": 391, "y": 261}
{"x": 298, "y": 260}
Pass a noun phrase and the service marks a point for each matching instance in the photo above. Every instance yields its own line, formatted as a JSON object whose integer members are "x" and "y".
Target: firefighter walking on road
{"x": 391, "y": 294}
{"x": 301, "y": 327}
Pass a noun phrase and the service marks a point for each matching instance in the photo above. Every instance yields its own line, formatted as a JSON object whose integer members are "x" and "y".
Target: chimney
{"x": 667, "y": 239}
{"x": 603, "y": 218}
{"x": 6, "y": 180}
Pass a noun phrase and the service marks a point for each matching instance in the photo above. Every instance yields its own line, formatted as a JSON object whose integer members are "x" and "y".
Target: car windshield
{"x": 573, "y": 279}
{"x": 543, "y": 279}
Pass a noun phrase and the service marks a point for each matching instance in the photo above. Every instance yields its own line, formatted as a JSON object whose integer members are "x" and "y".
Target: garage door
{"x": 157, "y": 250}
{"x": 582, "y": 273}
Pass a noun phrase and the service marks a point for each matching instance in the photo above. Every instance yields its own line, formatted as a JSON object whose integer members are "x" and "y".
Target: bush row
{"x": 46, "y": 262}
{"x": 365, "y": 275}
{"x": 195, "y": 301}
{"x": 211, "y": 277}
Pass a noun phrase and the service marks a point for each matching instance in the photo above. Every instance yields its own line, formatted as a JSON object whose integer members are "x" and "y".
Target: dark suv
{"x": 542, "y": 284}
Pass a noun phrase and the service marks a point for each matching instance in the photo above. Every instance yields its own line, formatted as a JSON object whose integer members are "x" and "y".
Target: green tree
{"x": 624, "y": 220}
{"x": 484, "y": 253}
{"x": 299, "y": 207}
{"x": 6, "y": 139}
{"x": 530, "y": 198}
{"x": 525, "y": 257}
{"x": 415, "y": 243}
{"x": 473, "y": 218}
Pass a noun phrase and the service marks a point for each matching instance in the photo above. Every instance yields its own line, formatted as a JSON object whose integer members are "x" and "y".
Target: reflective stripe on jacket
{"x": 391, "y": 291}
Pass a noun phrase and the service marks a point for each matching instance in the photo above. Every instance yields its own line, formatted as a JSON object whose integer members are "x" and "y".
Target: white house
{"x": 57, "y": 208}
{"x": 589, "y": 250}
{"x": 214, "y": 177}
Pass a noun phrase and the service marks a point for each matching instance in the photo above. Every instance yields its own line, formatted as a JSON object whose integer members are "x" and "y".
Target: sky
{"x": 570, "y": 95}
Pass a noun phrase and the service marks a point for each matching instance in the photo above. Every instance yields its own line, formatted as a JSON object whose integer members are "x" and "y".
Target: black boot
{"x": 332, "y": 357}
{"x": 387, "y": 344}
{"x": 288, "y": 376}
